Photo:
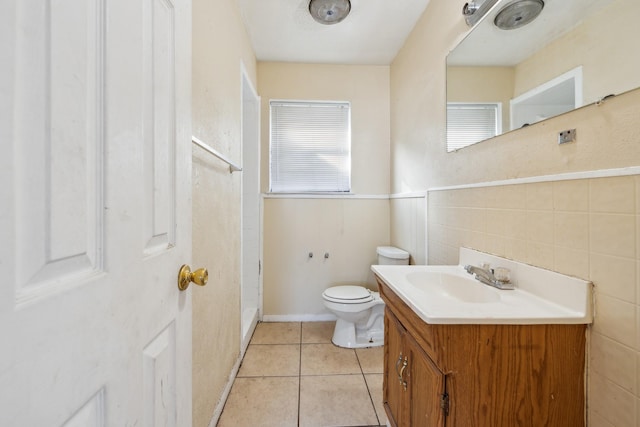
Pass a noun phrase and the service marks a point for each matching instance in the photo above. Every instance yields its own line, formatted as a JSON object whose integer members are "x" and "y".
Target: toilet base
{"x": 347, "y": 335}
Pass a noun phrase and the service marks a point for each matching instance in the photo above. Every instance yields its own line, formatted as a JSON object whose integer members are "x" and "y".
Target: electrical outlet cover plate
{"x": 565, "y": 136}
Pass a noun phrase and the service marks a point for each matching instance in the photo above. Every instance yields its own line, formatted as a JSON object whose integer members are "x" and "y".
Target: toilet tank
{"x": 389, "y": 255}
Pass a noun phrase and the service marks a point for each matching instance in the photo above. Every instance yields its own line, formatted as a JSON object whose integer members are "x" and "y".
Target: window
{"x": 310, "y": 149}
{"x": 468, "y": 123}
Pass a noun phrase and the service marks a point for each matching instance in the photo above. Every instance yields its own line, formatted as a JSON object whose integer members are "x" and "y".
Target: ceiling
{"x": 373, "y": 33}
{"x": 556, "y": 19}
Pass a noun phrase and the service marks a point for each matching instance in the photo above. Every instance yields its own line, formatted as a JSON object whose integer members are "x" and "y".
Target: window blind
{"x": 470, "y": 123}
{"x": 310, "y": 147}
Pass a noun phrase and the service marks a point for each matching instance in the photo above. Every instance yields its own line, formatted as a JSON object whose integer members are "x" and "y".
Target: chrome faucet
{"x": 486, "y": 275}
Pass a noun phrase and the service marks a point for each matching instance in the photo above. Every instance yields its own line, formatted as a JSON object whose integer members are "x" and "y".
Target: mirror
{"x": 574, "y": 53}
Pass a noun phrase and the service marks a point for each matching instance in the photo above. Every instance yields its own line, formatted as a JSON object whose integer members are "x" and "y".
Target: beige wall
{"x": 589, "y": 228}
{"x": 366, "y": 87}
{"x": 216, "y": 197}
{"x": 610, "y": 58}
{"x": 348, "y": 228}
{"x": 482, "y": 84}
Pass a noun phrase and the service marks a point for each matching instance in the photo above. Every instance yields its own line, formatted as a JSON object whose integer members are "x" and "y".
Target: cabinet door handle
{"x": 398, "y": 372}
{"x": 404, "y": 366}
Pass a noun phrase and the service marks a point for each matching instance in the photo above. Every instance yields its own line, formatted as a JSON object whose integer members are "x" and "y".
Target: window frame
{"x": 347, "y": 144}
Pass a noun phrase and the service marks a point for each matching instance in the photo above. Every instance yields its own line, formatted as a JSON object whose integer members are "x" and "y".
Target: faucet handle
{"x": 502, "y": 274}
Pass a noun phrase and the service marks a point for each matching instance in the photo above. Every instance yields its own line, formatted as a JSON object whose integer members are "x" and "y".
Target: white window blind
{"x": 310, "y": 147}
{"x": 468, "y": 123}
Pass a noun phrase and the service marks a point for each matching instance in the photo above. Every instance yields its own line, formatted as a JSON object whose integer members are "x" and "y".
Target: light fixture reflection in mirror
{"x": 474, "y": 10}
{"x": 590, "y": 38}
{"x": 518, "y": 14}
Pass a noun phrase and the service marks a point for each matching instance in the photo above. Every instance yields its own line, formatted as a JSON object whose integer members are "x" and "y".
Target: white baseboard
{"x": 298, "y": 317}
{"x": 227, "y": 389}
{"x": 232, "y": 376}
{"x": 247, "y": 338}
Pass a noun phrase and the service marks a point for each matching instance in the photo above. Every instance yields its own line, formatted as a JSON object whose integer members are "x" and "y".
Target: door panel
{"x": 57, "y": 120}
{"x": 90, "y": 415}
{"x": 159, "y": 388}
{"x": 95, "y": 130}
{"x": 159, "y": 124}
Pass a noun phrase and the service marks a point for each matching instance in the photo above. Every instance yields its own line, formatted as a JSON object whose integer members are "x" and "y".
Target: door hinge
{"x": 259, "y": 267}
{"x": 444, "y": 403}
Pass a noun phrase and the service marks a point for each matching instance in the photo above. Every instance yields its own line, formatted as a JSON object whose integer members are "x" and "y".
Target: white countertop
{"x": 449, "y": 295}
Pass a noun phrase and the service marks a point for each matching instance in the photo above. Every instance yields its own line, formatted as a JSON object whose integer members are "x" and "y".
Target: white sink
{"x": 442, "y": 294}
{"x": 452, "y": 286}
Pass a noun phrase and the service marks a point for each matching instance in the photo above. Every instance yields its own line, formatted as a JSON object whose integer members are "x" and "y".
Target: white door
{"x": 95, "y": 134}
{"x": 250, "y": 290}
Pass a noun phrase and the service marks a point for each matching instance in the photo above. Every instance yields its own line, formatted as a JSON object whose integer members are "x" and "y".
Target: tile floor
{"x": 292, "y": 375}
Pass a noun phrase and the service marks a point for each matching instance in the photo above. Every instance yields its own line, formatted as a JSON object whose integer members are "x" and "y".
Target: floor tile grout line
{"x": 300, "y": 375}
{"x": 267, "y": 376}
{"x": 332, "y": 375}
{"x": 279, "y": 343}
{"x": 366, "y": 384}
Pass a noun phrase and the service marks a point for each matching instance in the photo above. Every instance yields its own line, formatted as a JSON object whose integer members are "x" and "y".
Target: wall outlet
{"x": 565, "y": 136}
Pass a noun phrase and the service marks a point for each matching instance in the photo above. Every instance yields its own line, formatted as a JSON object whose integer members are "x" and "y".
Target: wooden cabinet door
{"x": 393, "y": 357}
{"x": 426, "y": 387}
{"x": 413, "y": 385}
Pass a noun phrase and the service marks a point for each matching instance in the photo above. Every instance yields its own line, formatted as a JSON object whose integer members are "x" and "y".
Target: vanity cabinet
{"x": 414, "y": 387}
{"x": 480, "y": 375}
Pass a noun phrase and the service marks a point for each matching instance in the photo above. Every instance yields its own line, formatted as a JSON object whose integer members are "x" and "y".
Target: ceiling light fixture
{"x": 518, "y": 14}
{"x": 329, "y": 12}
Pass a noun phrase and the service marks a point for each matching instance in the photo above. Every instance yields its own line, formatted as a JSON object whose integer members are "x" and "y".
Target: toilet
{"x": 360, "y": 311}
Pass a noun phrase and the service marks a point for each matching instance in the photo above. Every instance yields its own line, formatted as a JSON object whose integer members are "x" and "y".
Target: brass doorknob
{"x": 185, "y": 277}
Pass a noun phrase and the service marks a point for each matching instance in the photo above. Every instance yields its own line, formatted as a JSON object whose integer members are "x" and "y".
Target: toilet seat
{"x": 348, "y": 295}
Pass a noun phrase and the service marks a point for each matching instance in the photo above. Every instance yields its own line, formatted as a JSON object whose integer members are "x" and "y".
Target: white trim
{"x": 574, "y": 74}
{"x": 306, "y": 147}
{"x": 298, "y": 317}
{"x": 324, "y": 196}
{"x": 247, "y": 339}
{"x": 225, "y": 393}
{"x": 412, "y": 195}
{"x": 602, "y": 173}
{"x": 250, "y": 97}
{"x": 245, "y": 73}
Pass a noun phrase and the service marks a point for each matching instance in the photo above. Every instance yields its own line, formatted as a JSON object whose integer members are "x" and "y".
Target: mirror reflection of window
{"x": 469, "y": 123}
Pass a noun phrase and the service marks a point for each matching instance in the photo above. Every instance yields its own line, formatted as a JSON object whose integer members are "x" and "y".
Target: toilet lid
{"x": 348, "y": 294}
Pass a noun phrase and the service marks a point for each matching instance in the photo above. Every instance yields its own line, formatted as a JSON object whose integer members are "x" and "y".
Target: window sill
{"x": 324, "y": 196}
